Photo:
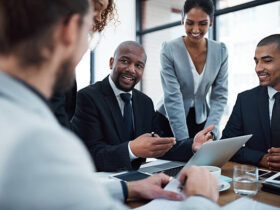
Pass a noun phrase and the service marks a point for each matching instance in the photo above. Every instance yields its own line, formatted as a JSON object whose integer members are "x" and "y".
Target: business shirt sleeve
{"x": 219, "y": 93}
{"x": 234, "y": 127}
{"x": 173, "y": 99}
{"x": 58, "y": 174}
{"x": 87, "y": 124}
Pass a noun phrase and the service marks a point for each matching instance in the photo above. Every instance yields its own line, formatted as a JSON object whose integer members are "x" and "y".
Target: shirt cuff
{"x": 131, "y": 155}
{"x": 125, "y": 190}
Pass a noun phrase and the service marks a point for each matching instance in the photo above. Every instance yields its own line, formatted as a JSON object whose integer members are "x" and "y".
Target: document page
{"x": 164, "y": 204}
{"x": 245, "y": 203}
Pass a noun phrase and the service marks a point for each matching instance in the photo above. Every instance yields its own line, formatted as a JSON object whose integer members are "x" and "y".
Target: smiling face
{"x": 127, "y": 66}
{"x": 267, "y": 59}
{"x": 99, "y": 7}
{"x": 197, "y": 23}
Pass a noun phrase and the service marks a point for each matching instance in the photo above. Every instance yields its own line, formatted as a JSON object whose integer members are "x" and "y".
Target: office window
{"x": 152, "y": 43}
{"x": 241, "y": 31}
{"x": 83, "y": 71}
{"x": 160, "y": 12}
{"x": 221, "y": 4}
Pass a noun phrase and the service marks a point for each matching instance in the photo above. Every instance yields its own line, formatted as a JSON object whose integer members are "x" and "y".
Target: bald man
{"x": 115, "y": 120}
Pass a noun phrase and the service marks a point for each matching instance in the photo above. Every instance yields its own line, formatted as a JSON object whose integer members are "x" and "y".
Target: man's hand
{"x": 199, "y": 181}
{"x": 273, "y": 159}
{"x": 151, "y": 188}
{"x": 146, "y": 146}
{"x": 201, "y": 137}
{"x": 264, "y": 161}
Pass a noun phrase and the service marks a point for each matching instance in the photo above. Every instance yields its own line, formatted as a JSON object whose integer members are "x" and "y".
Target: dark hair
{"x": 206, "y": 5}
{"x": 27, "y": 26}
{"x": 106, "y": 16}
{"x": 274, "y": 38}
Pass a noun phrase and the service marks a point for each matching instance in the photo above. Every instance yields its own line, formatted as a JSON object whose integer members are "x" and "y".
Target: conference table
{"x": 229, "y": 195}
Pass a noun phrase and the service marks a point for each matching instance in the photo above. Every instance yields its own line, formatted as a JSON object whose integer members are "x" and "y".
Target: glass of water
{"x": 245, "y": 180}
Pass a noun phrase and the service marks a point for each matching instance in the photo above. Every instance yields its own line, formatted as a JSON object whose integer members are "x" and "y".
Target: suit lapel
{"x": 187, "y": 66}
{"x": 115, "y": 111}
{"x": 264, "y": 114}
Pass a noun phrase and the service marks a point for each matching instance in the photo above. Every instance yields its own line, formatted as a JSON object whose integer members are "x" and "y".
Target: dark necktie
{"x": 127, "y": 115}
{"x": 275, "y": 122}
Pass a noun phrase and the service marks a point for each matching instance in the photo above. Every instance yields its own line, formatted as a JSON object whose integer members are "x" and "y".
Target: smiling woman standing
{"x": 193, "y": 66}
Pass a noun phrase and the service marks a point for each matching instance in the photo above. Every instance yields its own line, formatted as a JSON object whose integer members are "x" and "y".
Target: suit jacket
{"x": 99, "y": 122}
{"x": 178, "y": 86}
{"x": 250, "y": 115}
{"x": 63, "y": 105}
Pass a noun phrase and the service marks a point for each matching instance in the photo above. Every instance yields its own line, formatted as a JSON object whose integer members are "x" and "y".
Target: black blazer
{"x": 250, "y": 115}
{"x": 63, "y": 105}
{"x": 99, "y": 123}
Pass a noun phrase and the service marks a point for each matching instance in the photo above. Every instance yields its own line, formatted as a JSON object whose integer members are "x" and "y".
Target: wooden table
{"x": 229, "y": 195}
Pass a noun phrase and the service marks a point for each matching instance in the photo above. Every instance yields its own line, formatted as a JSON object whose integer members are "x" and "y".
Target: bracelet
{"x": 125, "y": 190}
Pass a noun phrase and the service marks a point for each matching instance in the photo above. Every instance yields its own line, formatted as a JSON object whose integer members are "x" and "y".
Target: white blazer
{"x": 43, "y": 166}
{"x": 178, "y": 86}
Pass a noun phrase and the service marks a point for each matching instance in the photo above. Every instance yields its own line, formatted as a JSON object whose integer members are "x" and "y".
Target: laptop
{"x": 214, "y": 153}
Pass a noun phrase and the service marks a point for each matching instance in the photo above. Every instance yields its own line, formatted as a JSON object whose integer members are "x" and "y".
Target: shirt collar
{"x": 271, "y": 92}
{"x": 35, "y": 91}
{"x": 116, "y": 90}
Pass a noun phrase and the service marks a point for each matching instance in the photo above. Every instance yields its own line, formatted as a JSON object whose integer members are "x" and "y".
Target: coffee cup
{"x": 214, "y": 170}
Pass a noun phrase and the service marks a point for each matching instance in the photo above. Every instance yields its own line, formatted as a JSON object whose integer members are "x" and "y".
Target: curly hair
{"x": 107, "y": 16}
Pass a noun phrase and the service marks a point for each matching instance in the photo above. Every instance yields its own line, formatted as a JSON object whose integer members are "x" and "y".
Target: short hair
{"x": 206, "y": 5}
{"x": 274, "y": 38}
{"x": 27, "y": 26}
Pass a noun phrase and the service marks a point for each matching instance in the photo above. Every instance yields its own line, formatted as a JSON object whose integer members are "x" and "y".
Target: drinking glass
{"x": 245, "y": 180}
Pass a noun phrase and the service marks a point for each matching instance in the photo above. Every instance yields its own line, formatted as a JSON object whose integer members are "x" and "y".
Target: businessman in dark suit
{"x": 117, "y": 130}
{"x": 257, "y": 111}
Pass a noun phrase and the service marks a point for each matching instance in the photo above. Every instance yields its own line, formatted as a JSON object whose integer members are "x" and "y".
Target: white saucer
{"x": 223, "y": 186}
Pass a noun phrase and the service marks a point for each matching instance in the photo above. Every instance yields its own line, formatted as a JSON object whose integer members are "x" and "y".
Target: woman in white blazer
{"x": 192, "y": 67}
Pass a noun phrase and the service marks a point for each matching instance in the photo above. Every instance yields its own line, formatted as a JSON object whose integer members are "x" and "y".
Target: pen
{"x": 153, "y": 134}
{"x": 182, "y": 185}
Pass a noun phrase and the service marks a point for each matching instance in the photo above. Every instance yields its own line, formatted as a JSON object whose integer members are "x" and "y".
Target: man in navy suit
{"x": 101, "y": 113}
{"x": 257, "y": 111}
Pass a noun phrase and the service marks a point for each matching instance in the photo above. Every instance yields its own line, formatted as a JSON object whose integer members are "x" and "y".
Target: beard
{"x": 118, "y": 85}
{"x": 65, "y": 77}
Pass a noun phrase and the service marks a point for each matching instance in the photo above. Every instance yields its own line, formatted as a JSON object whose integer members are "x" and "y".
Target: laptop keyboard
{"x": 162, "y": 167}
{"x": 173, "y": 171}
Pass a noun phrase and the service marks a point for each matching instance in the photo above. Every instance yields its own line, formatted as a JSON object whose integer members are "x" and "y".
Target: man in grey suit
{"x": 42, "y": 165}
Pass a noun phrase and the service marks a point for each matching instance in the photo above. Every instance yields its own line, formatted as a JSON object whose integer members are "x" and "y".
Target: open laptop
{"x": 214, "y": 153}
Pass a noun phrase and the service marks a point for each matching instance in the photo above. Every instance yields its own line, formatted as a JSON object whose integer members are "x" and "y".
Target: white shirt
{"x": 196, "y": 76}
{"x": 118, "y": 93}
{"x": 271, "y": 92}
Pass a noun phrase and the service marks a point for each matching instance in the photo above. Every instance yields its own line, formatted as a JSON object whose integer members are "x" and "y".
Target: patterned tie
{"x": 275, "y": 122}
{"x": 127, "y": 115}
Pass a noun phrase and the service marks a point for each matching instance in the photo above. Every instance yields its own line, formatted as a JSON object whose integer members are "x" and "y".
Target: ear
{"x": 211, "y": 22}
{"x": 182, "y": 21}
{"x": 70, "y": 29}
{"x": 111, "y": 62}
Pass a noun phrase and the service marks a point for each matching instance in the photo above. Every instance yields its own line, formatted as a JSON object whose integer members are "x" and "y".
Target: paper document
{"x": 245, "y": 203}
{"x": 164, "y": 204}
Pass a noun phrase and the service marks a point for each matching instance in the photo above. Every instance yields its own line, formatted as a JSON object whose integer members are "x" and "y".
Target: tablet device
{"x": 131, "y": 176}
{"x": 275, "y": 179}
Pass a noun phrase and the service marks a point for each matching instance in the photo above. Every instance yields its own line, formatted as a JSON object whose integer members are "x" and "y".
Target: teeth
{"x": 128, "y": 78}
{"x": 195, "y": 35}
